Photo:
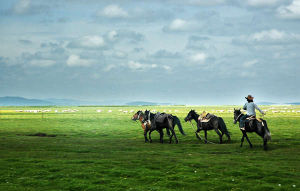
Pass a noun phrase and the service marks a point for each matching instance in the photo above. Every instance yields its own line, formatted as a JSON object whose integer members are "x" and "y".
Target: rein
{"x": 238, "y": 117}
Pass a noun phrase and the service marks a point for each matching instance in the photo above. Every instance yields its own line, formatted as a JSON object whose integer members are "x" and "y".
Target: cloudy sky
{"x": 184, "y": 52}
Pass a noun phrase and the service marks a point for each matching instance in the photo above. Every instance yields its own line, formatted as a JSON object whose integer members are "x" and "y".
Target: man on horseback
{"x": 250, "y": 106}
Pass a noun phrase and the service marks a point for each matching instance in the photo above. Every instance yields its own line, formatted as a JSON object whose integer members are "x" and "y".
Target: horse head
{"x": 236, "y": 115}
{"x": 137, "y": 115}
{"x": 190, "y": 115}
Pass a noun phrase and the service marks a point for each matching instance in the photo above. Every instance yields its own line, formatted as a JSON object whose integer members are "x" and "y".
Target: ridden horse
{"x": 146, "y": 126}
{"x": 215, "y": 123}
{"x": 159, "y": 121}
{"x": 260, "y": 127}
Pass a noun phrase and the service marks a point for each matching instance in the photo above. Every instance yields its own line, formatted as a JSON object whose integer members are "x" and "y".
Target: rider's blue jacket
{"x": 250, "y": 107}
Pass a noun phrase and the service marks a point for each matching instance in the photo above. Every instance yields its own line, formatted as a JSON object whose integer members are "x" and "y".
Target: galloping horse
{"x": 159, "y": 122}
{"x": 260, "y": 127}
{"x": 145, "y": 125}
{"x": 215, "y": 123}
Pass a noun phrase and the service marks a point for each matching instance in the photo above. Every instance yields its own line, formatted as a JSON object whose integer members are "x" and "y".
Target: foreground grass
{"x": 105, "y": 151}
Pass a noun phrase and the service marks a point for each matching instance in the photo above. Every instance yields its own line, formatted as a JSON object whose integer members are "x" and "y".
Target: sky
{"x": 183, "y": 52}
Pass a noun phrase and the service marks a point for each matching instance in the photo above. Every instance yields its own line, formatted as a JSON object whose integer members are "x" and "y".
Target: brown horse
{"x": 146, "y": 126}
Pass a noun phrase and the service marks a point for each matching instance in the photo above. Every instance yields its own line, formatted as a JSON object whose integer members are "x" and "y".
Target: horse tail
{"x": 222, "y": 126}
{"x": 177, "y": 122}
{"x": 267, "y": 135}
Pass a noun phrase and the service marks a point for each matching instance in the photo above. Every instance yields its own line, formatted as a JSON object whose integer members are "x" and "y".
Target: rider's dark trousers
{"x": 242, "y": 120}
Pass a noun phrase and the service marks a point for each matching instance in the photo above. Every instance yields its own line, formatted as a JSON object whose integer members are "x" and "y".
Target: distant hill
{"x": 294, "y": 103}
{"x": 20, "y": 101}
{"x": 146, "y": 103}
{"x": 266, "y": 103}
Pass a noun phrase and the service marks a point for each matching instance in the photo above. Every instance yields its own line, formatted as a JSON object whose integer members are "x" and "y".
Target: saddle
{"x": 252, "y": 121}
{"x": 252, "y": 117}
{"x": 205, "y": 117}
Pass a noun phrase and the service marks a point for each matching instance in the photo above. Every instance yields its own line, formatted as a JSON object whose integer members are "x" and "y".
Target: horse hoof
{"x": 176, "y": 142}
{"x": 150, "y": 141}
{"x": 251, "y": 146}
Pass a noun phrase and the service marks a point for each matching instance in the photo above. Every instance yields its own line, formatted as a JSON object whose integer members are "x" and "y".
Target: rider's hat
{"x": 250, "y": 97}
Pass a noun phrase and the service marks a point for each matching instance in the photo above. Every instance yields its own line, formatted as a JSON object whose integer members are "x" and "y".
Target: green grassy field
{"x": 88, "y": 150}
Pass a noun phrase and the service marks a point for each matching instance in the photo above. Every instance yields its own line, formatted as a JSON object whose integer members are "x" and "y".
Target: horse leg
{"x": 150, "y": 136}
{"x": 228, "y": 136}
{"x": 196, "y": 132}
{"x": 145, "y": 134}
{"x": 205, "y": 135}
{"x": 245, "y": 134}
{"x": 161, "y": 133}
{"x": 218, "y": 132}
{"x": 242, "y": 140}
{"x": 168, "y": 132}
{"x": 173, "y": 133}
{"x": 265, "y": 144}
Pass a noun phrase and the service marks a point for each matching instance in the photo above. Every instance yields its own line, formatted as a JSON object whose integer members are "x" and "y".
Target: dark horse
{"x": 146, "y": 126}
{"x": 260, "y": 127}
{"x": 159, "y": 122}
{"x": 215, "y": 123}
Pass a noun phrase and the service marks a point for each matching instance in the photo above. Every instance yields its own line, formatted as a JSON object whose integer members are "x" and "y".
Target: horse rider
{"x": 250, "y": 106}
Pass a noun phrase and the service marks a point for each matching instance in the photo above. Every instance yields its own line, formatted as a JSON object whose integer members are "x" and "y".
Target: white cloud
{"x": 109, "y": 68}
{"x": 42, "y": 63}
{"x": 168, "y": 68}
{"x": 291, "y": 11}
{"x": 113, "y": 11}
{"x": 206, "y": 3}
{"x": 112, "y": 35}
{"x": 120, "y": 54}
{"x": 198, "y": 58}
{"x": 262, "y": 3}
{"x": 135, "y": 65}
{"x": 92, "y": 42}
{"x": 75, "y": 60}
{"x": 272, "y": 36}
{"x": 250, "y": 63}
{"x": 21, "y": 7}
{"x": 138, "y": 66}
{"x": 268, "y": 35}
{"x": 178, "y": 25}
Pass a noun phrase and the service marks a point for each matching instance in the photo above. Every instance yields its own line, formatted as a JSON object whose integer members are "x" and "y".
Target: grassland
{"x": 106, "y": 151}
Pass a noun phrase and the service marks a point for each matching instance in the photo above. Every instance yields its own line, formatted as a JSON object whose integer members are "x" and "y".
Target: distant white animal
{"x": 109, "y": 111}
{"x": 99, "y": 110}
